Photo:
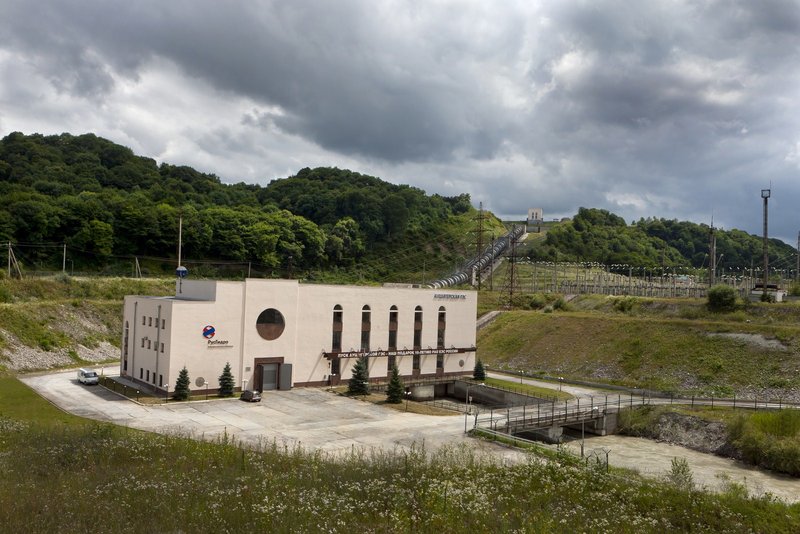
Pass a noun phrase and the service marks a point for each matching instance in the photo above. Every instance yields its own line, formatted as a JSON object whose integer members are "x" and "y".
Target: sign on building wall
{"x": 209, "y": 332}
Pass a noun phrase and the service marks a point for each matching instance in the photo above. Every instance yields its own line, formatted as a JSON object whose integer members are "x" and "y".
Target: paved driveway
{"x": 311, "y": 417}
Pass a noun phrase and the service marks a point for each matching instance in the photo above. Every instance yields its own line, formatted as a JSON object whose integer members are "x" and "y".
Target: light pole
{"x": 765, "y": 193}
{"x": 166, "y": 393}
{"x": 466, "y": 405}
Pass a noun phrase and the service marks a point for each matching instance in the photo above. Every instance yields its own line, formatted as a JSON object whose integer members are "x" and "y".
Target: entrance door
{"x": 269, "y": 376}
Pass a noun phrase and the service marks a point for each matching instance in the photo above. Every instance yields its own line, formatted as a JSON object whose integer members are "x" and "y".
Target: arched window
{"x": 366, "y": 326}
{"x": 418, "y": 327}
{"x": 393, "y": 328}
{"x": 392, "y": 359}
{"x": 440, "y": 337}
{"x": 125, "y": 347}
{"x": 417, "y": 337}
{"x": 441, "y": 328}
{"x": 336, "y": 338}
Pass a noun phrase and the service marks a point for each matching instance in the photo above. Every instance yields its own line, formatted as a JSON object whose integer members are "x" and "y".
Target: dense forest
{"x": 595, "y": 235}
{"x": 109, "y": 205}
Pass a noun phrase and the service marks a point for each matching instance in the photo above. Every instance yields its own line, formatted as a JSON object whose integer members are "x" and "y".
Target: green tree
{"x": 96, "y": 238}
{"x": 721, "y": 298}
{"x": 226, "y": 381}
{"x": 479, "y": 373}
{"x": 395, "y": 389}
{"x": 359, "y": 383}
{"x": 182, "y": 385}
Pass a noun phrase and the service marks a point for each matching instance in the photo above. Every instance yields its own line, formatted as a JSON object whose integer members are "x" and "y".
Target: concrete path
{"x": 310, "y": 417}
{"x": 578, "y": 391}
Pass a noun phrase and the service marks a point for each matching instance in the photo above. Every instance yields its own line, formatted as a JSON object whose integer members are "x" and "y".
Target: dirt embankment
{"x": 688, "y": 431}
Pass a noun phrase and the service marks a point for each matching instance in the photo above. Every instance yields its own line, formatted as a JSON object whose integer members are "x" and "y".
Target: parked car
{"x": 251, "y": 396}
{"x": 88, "y": 377}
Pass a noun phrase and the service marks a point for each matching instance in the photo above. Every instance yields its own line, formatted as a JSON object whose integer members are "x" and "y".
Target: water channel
{"x": 654, "y": 459}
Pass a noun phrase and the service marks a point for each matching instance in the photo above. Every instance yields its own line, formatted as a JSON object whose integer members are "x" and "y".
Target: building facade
{"x": 278, "y": 334}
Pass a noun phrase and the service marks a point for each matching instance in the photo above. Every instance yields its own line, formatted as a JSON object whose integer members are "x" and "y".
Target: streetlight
{"x": 166, "y": 393}
{"x": 466, "y": 405}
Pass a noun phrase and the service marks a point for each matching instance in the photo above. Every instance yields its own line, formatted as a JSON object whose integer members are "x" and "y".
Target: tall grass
{"x": 61, "y": 473}
{"x": 769, "y": 439}
{"x": 97, "y": 478}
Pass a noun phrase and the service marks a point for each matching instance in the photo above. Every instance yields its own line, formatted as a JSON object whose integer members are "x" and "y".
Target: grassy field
{"x": 65, "y": 475}
{"x": 62, "y": 473}
{"x": 652, "y": 346}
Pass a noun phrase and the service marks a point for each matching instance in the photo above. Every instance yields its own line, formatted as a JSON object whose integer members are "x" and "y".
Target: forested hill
{"x": 595, "y": 235}
{"x": 108, "y": 205}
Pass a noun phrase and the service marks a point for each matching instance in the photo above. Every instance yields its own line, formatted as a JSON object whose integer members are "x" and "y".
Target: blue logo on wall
{"x": 209, "y": 331}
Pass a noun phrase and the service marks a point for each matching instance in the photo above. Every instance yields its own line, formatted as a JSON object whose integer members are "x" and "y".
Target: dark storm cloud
{"x": 655, "y": 108}
{"x": 343, "y": 79}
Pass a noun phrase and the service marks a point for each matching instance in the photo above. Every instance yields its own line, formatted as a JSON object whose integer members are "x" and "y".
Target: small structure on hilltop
{"x": 535, "y": 220}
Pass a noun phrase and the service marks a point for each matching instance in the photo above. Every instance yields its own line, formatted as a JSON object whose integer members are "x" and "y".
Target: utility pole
{"x": 12, "y": 260}
{"x": 797, "y": 268}
{"x": 180, "y": 238}
{"x": 765, "y": 193}
{"x": 712, "y": 254}
{"x": 64, "y": 260}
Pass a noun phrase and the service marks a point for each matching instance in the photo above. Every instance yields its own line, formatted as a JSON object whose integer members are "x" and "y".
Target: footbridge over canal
{"x": 547, "y": 423}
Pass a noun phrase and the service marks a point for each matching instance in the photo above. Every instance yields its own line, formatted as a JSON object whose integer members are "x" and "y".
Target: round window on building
{"x": 270, "y": 324}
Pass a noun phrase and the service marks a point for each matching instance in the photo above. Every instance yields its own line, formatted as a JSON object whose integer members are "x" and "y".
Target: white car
{"x": 88, "y": 377}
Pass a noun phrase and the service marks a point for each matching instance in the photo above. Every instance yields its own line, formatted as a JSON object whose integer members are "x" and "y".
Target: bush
{"x": 769, "y": 439}
{"x": 680, "y": 475}
{"x": 794, "y": 289}
{"x": 531, "y": 302}
{"x": 624, "y": 304}
{"x": 721, "y": 298}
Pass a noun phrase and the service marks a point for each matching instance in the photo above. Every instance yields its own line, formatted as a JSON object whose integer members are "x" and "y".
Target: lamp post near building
{"x": 467, "y": 402}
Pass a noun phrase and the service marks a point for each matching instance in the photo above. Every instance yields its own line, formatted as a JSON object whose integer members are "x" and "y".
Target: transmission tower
{"x": 478, "y": 242}
{"x": 510, "y": 283}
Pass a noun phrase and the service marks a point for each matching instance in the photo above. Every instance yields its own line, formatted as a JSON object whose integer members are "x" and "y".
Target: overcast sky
{"x": 672, "y": 109}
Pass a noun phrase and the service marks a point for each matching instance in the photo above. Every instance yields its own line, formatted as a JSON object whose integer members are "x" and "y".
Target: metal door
{"x": 269, "y": 376}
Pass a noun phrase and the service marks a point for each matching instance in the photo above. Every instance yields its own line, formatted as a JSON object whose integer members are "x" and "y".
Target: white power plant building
{"x": 278, "y": 334}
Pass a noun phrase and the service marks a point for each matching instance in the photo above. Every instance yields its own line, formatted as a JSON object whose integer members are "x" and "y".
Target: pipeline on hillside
{"x": 479, "y": 263}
